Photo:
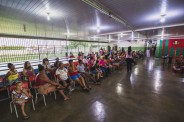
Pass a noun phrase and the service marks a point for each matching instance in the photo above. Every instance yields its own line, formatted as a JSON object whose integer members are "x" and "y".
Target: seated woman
{"x": 28, "y": 70}
{"x": 48, "y": 68}
{"x": 95, "y": 69}
{"x": 56, "y": 63}
{"x": 90, "y": 63}
{"x": 20, "y": 96}
{"x": 71, "y": 55}
{"x": 81, "y": 69}
{"x": 85, "y": 61}
{"x": 45, "y": 85}
{"x": 72, "y": 69}
{"x": 108, "y": 62}
{"x": 62, "y": 75}
{"x": 123, "y": 56}
{"x": 12, "y": 75}
{"x": 105, "y": 69}
{"x": 115, "y": 61}
{"x": 80, "y": 56}
{"x": 56, "y": 66}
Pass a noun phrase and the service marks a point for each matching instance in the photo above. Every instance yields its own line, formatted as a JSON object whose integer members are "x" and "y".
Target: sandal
{"x": 26, "y": 117}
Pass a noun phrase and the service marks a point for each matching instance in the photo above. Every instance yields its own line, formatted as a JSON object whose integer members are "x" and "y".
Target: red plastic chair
{"x": 31, "y": 80}
{"x": 25, "y": 85}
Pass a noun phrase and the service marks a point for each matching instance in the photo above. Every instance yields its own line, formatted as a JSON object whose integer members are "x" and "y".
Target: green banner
{"x": 178, "y": 52}
{"x": 166, "y": 47}
{"x": 160, "y": 48}
{"x": 171, "y": 52}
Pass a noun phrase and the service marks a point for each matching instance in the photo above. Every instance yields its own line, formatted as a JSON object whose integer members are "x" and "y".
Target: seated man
{"x": 12, "y": 75}
{"x": 82, "y": 71}
{"x": 62, "y": 75}
{"x": 72, "y": 69}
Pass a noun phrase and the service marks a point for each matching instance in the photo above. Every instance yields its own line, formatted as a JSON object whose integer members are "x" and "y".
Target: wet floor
{"x": 150, "y": 93}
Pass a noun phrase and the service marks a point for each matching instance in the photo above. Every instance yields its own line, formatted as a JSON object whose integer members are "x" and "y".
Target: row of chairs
{"x": 29, "y": 84}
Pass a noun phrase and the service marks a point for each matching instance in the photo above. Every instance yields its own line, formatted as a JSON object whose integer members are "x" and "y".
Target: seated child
{"x": 20, "y": 96}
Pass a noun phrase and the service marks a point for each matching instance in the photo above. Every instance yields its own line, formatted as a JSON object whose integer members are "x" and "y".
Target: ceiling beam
{"x": 45, "y": 38}
{"x": 108, "y": 12}
{"x": 143, "y": 29}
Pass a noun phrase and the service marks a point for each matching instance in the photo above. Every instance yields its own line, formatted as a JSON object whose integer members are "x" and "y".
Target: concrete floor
{"x": 150, "y": 93}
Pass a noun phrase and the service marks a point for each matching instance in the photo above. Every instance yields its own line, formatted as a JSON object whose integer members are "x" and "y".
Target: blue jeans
{"x": 105, "y": 70}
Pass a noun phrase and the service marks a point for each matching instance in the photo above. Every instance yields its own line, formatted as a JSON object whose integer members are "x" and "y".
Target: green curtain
{"x": 171, "y": 52}
{"x": 178, "y": 52}
{"x": 166, "y": 47}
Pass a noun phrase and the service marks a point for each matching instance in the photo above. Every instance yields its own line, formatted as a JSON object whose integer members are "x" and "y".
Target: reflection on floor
{"x": 150, "y": 93}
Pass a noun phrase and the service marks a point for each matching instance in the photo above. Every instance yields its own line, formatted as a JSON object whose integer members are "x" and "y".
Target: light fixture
{"x": 48, "y": 16}
{"x": 98, "y": 29}
{"x": 162, "y": 19}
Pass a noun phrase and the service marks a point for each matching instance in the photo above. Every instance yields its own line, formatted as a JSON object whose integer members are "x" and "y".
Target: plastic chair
{"x": 25, "y": 85}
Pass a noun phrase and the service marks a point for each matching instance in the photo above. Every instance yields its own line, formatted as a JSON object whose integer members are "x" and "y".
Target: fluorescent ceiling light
{"x": 98, "y": 29}
{"x": 162, "y": 19}
{"x": 48, "y": 16}
{"x": 156, "y": 16}
{"x": 104, "y": 27}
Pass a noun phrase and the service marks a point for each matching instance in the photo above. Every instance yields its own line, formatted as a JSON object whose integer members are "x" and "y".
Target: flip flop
{"x": 26, "y": 117}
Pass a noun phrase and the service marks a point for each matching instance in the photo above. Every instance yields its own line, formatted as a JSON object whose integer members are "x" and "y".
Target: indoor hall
{"x": 91, "y": 60}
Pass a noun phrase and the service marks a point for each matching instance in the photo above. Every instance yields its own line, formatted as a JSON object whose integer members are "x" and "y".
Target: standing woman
{"x": 129, "y": 59}
{"x": 148, "y": 53}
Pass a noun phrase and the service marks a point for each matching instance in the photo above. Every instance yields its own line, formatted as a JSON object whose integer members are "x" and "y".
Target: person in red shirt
{"x": 71, "y": 55}
{"x": 75, "y": 76}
